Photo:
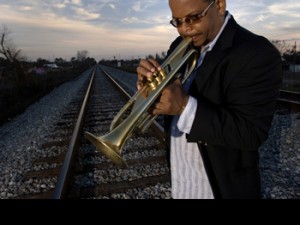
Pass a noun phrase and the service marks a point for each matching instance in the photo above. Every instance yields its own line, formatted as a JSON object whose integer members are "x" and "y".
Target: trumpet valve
{"x": 157, "y": 77}
{"x": 162, "y": 74}
{"x": 152, "y": 82}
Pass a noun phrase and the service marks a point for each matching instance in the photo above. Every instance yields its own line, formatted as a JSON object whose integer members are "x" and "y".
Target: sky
{"x": 125, "y": 29}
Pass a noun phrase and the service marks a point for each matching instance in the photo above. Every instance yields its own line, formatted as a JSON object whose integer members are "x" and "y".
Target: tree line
{"x": 14, "y": 67}
{"x": 289, "y": 52}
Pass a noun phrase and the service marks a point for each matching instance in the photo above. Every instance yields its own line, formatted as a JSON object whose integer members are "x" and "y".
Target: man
{"x": 223, "y": 114}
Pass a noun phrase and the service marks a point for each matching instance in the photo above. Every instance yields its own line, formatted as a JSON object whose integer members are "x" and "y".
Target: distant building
{"x": 119, "y": 64}
{"x": 51, "y": 66}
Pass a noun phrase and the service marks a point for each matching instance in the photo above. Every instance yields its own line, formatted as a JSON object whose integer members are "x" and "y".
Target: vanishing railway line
{"x": 69, "y": 166}
{"x": 78, "y": 170}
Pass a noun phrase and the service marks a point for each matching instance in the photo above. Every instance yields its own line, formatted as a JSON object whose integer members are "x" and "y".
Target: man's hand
{"x": 145, "y": 70}
{"x": 172, "y": 100}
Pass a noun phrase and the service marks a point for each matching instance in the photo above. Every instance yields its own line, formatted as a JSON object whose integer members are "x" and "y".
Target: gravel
{"x": 21, "y": 138}
{"x": 280, "y": 158}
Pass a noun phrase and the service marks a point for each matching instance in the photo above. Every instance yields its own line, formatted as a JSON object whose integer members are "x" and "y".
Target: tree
{"x": 60, "y": 61}
{"x": 8, "y": 49}
{"x": 82, "y": 55}
{"x": 13, "y": 56}
{"x": 41, "y": 62}
{"x": 282, "y": 46}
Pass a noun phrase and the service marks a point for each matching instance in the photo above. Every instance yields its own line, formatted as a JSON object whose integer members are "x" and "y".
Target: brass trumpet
{"x": 121, "y": 129}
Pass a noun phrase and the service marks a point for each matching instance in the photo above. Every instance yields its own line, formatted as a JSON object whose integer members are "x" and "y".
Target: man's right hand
{"x": 145, "y": 70}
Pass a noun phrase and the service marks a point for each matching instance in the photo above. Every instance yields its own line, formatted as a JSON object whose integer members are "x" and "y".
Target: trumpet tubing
{"x": 121, "y": 129}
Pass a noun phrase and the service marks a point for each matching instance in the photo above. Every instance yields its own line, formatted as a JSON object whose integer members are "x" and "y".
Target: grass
{"x": 14, "y": 101}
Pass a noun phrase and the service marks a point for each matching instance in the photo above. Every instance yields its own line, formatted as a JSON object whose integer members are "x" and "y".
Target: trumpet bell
{"x": 110, "y": 150}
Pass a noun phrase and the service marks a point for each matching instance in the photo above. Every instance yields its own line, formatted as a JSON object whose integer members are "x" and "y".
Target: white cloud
{"x": 76, "y": 2}
{"x": 60, "y": 6}
{"x": 112, "y": 6}
{"x": 291, "y": 9}
{"x": 141, "y": 6}
{"x": 26, "y": 8}
{"x": 261, "y": 18}
{"x": 137, "y": 7}
{"x": 85, "y": 15}
{"x": 130, "y": 20}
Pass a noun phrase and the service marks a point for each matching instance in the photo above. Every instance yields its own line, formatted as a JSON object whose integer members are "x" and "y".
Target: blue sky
{"x": 125, "y": 28}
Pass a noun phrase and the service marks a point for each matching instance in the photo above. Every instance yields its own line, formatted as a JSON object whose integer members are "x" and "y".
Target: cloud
{"x": 59, "y": 5}
{"x": 137, "y": 7}
{"x": 261, "y": 18}
{"x": 143, "y": 6}
{"x": 26, "y": 8}
{"x": 112, "y": 6}
{"x": 267, "y": 17}
{"x": 289, "y": 9}
{"x": 131, "y": 20}
{"x": 85, "y": 15}
{"x": 76, "y": 2}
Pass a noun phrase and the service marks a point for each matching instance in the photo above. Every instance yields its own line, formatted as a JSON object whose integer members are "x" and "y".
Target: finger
{"x": 158, "y": 108}
{"x": 142, "y": 72}
{"x": 139, "y": 84}
{"x": 178, "y": 81}
{"x": 149, "y": 65}
{"x": 155, "y": 64}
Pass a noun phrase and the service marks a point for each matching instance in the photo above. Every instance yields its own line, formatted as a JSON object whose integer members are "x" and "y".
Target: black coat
{"x": 236, "y": 87}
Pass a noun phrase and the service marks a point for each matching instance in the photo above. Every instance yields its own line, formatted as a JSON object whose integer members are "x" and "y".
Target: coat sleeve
{"x": 243, "y": 120}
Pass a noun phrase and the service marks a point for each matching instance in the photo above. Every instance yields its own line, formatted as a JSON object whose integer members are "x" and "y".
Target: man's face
{"x": 203, "y": 28}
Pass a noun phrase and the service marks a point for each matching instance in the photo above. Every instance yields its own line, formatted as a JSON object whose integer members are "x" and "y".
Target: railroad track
{"x": 69, "y": 166}
{"x": 289, "y": 100}
{"x": 73, "y": 168}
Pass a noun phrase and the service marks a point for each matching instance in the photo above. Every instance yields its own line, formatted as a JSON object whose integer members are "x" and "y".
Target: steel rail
{"x": 289, "y": 100}
{"x": 61, "y": 186}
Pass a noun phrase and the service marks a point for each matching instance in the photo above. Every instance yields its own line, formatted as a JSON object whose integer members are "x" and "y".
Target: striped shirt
{"x": 188, "y": 175}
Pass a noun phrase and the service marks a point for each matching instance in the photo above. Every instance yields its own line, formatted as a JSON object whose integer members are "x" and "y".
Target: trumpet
{"x": 121, "y": 129}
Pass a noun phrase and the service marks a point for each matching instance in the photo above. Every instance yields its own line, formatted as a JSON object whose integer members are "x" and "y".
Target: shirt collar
{"x": 211, "y": 45}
